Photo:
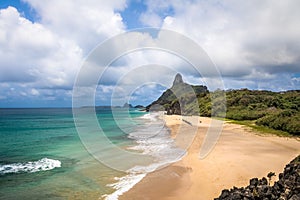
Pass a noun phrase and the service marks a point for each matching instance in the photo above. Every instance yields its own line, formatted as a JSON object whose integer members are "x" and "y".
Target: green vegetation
{"x": 264, "y": 111}
{"x": 180, "y": 99}
{"x": 261, "y": 129}
{"x": 279, "y": 111}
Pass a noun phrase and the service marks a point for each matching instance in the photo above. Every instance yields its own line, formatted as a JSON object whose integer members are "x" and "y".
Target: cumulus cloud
{"x": 156, "y": 11}
{"x": 241, "y": 38}
{"x": 86, "y": 22}
{"x": 138, "y": 58}
{"x": 254, "y": 44}
{"x": 47, "y": 53}
{"x": 33, "y": 54}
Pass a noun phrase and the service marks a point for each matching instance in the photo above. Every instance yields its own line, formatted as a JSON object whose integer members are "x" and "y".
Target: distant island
{"x": 256, "y": 108}
{"x": 126, "y": 105}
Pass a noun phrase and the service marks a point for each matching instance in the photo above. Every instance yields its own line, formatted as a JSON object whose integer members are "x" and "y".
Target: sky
{"x": 45, "y": 44}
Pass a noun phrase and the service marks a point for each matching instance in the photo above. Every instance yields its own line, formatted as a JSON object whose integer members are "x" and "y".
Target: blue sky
{"x": 43, "y": 45}
{"x": 132, "y": 13}
{"x": 24, "y": 8}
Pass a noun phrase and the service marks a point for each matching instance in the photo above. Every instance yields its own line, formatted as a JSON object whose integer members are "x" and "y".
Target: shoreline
{"x": 238, "y": 156}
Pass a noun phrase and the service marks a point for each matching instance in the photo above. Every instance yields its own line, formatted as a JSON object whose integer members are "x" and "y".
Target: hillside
{"x": 181, "y": 98}
{"x": 276, "y": 110}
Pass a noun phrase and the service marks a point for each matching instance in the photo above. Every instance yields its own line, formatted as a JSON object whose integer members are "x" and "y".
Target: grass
{"x": 260, "y": 129}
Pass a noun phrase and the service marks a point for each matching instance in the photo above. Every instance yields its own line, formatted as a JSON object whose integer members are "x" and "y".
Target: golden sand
{"x": 238, "y": 156}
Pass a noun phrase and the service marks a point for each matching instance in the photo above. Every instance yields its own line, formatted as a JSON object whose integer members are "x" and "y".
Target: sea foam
{"x": 123, "y": 184}
{"x": 43, "y": 164}
{"x": 153, "y": 139}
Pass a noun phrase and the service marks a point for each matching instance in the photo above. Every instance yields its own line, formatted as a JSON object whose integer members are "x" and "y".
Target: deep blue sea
{"x": 42, "y": 156}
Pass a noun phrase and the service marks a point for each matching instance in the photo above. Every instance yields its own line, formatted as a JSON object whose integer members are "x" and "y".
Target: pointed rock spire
{"x": 178, "y": 79}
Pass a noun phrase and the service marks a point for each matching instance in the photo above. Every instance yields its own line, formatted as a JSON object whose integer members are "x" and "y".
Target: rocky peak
{"x": 178, "y": 79}
{"x": 127, "y": 105}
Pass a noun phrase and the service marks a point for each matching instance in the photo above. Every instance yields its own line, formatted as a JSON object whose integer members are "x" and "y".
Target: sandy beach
{"x": 239, "y": 155}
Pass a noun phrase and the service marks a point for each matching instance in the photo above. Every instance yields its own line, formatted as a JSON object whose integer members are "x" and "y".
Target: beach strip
{"x": 239, "y": 155}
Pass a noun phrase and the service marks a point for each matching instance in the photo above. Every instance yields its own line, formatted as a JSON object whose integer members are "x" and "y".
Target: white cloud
{"x": 33, "y": 54}
{"x": 151, "y": 19}
{"x": 35, "y": 92}
{"x": 254, "y": 44}
{"x": 241, "y": 38}
{"x": 156, "y": 10}
{"x": 49, "y": 52}
{"x": 87, "y": 22}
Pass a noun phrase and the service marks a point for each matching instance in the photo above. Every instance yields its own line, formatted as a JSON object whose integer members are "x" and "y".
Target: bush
{"x": 286, "y": 120}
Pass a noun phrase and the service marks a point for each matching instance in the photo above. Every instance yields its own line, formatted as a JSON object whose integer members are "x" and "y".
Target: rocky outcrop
{"x": 177, "y": 80}
{"x": 127, "y": 105}
{"x": 180, "y": 99}
{"x": 286, "y": 188}
{"x": 139, "y": 107}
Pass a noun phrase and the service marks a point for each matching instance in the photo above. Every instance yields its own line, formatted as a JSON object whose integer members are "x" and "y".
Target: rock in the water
{"x": 127, "y": 105}
{"x": 139, "y": 106}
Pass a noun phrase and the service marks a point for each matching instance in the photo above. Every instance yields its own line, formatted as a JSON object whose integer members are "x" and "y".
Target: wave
{"x": 151, "y": 116}
{"x": 123, "y": 184}
{"x": 153, "y": 140}
{"x": 43, "y": 164}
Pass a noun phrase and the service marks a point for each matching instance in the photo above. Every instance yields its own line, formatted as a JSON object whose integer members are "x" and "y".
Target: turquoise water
{"x": 42, "y": 157}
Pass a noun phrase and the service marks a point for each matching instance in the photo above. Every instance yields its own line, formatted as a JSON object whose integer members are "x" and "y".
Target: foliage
{"x": 285, "y": 120}
{"x": 260, "y": 129}
{"x": 275, "y": 110}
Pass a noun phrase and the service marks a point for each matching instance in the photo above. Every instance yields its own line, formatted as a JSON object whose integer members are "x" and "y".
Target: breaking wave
{"x": 43, "y": 164}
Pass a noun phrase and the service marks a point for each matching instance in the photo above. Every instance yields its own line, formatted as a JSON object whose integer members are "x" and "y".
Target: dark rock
{"x": 280, "y": 175}
{"x": 224, "y": 194}
{"x": 139, "y": 107}
{"x": 263, "y": 181}
{"x": 254, "y": 182}
{"x": 295, "y": 197}
{"x": 286, "y": 188}
{"x": 263, "y": 189}
{"x": 237, "y": 195}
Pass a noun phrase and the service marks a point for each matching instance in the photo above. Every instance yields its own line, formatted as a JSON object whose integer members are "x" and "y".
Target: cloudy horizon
{"x": 44, "y": 44}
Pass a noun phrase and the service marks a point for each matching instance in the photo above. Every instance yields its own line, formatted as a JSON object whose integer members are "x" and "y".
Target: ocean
{"x": 42, "y": 156}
